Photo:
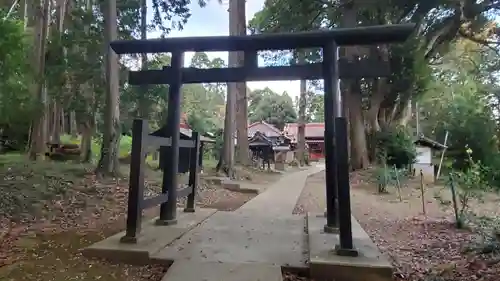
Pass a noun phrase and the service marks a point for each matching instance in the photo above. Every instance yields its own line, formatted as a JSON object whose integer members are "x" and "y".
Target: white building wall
{"x": 424, "y": 163}
{"x": 424, "y": 155}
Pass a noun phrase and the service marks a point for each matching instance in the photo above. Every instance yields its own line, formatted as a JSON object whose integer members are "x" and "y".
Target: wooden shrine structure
{"x": 330, "y": 70}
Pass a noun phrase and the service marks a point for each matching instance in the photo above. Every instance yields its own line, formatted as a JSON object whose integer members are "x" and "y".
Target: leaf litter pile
{"x": 422, "y": 248}
{"x": 50, "y": 211}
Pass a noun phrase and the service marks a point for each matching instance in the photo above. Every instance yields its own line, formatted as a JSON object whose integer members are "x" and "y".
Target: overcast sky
{"x": 213, "y": 20}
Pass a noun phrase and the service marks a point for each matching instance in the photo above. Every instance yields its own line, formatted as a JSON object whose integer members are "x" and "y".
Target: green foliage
{"x": 469, "y": 123}
{"x": 461, "y": 100}
{"x": 465, "y": 186}
{"x": 396, "y": 147}
{"x": 16, "y": 102}
{"x": 315, "y": 107}
{"x": 411, "y": 72}
{"x": 124, "y": 148}
{"x": 389, "y": 176}
{"x": 219, "y": 142}
{"x": 199, "y": 123}
{"x": 276, "y": 109}
{"x": 202, "y": 104}
{"x": 383, "y": 177}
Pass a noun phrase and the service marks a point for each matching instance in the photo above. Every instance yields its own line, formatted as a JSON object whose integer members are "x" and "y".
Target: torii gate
{"x": 336, "y": 145}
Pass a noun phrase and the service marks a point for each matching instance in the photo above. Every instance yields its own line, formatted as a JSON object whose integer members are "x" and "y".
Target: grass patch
{"x": 27, "y": 186}
{"x": 31, "y": 188}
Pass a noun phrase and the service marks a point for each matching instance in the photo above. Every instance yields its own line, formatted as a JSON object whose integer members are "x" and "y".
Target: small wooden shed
{"x": 425, "y": 147}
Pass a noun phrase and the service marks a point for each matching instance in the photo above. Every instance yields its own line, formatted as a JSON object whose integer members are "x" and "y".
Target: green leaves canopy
{"x": 276, "y": 109}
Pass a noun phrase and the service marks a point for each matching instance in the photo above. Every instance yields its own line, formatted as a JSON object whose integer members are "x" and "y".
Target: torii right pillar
{"x": 336, "y": 158}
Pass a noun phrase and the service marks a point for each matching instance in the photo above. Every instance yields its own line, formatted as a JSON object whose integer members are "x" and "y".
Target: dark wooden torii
{"x": 336, "y": 158}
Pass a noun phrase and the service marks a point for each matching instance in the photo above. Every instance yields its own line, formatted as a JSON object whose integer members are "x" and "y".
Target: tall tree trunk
{"x": 376, "y": 100}
{"x": 359, "y": 149}
{"x": 63, "y": 121}
{"x": 57, "y": 105}
{"x": 87, "y": 122}
{"x": 28, "y": 16}
{"x": 406, "y": 114}
{"x": 86, "y": 142}
{"x": 27, "y": 13}
{"x": 226, "y": 162}
{"x": 51, "y": 117}
{"x": 108, "y": 163}
{"x": 144, "y": 104}
{"x": 56, "y": 133}
{"x": 374, "y": 115}
{"x": 73, "y": 130}
{"x": 38, "y": 133}
{"x": 237, "y": 23}
{"x": 301, "y": 124}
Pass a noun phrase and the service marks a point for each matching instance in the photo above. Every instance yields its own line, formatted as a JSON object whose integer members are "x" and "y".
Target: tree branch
{"x": 483, "y": 42}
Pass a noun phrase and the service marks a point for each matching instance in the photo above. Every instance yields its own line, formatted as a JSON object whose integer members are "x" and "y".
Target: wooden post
{"x": 330, "y": 72}
{"x": 136, "y": 182}
{"x": 442, "y": 155}
{"x": 458, "y": 219}
{"x": 194, "y": 169}
{"x": 168, "y": 210}
{"x": 346, "y": 246}
{"x": 422, "y": 192}
{"x": 398, "y": 184}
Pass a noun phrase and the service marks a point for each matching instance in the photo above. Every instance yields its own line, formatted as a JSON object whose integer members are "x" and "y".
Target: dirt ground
{"x": 74, "y": 209}
{"x": 422, "y": 248}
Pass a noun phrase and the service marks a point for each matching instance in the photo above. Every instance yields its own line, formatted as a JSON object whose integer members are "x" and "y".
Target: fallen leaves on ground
{"x": 422, "y": 248}
{"x": 287, "y": 276}
{"x": 69, "y": 209}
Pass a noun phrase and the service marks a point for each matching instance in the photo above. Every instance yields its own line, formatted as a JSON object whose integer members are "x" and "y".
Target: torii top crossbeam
{"x": 370, "y": 35}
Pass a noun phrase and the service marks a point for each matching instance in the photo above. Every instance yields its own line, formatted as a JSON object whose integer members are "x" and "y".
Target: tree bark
{"x": 237, "y": 26}
{"x": 73, "y": 130}
{"x": 237, "y": 23}
{"x": 39, "y": 133}
{"x": 86, "y": 142}
{"x": 108, "y": 163}
{"x": 226, "y": 162}
{"x": 87, "y": 124}
{"x": 26, "y": 11}
{"x": 57, "y": 105}
{"x": 375, "y": 102}
{"x": 144, "y": 104}
{"x": 407, "y": 113}
{"x": 359, "y": 151}
{"x": 56, "y": 133}
{"x": 301, "y": 124}
{"x": 85, "y": 120}
{"x": 63, "y": 121}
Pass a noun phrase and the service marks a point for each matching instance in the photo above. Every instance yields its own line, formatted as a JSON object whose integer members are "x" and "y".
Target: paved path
{"x": 250, "y": 244}
{"x": 253, "y": 243}
{"x": 281, "y": 197}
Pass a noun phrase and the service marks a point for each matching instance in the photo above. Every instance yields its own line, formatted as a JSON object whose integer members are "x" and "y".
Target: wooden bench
{"x": 63, "y": 152}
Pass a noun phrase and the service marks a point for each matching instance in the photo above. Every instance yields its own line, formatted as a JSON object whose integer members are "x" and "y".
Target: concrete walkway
{"x": 253, "y": 243}
{"x": 250, "y": 244}
{"x": 281, "y": 197}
